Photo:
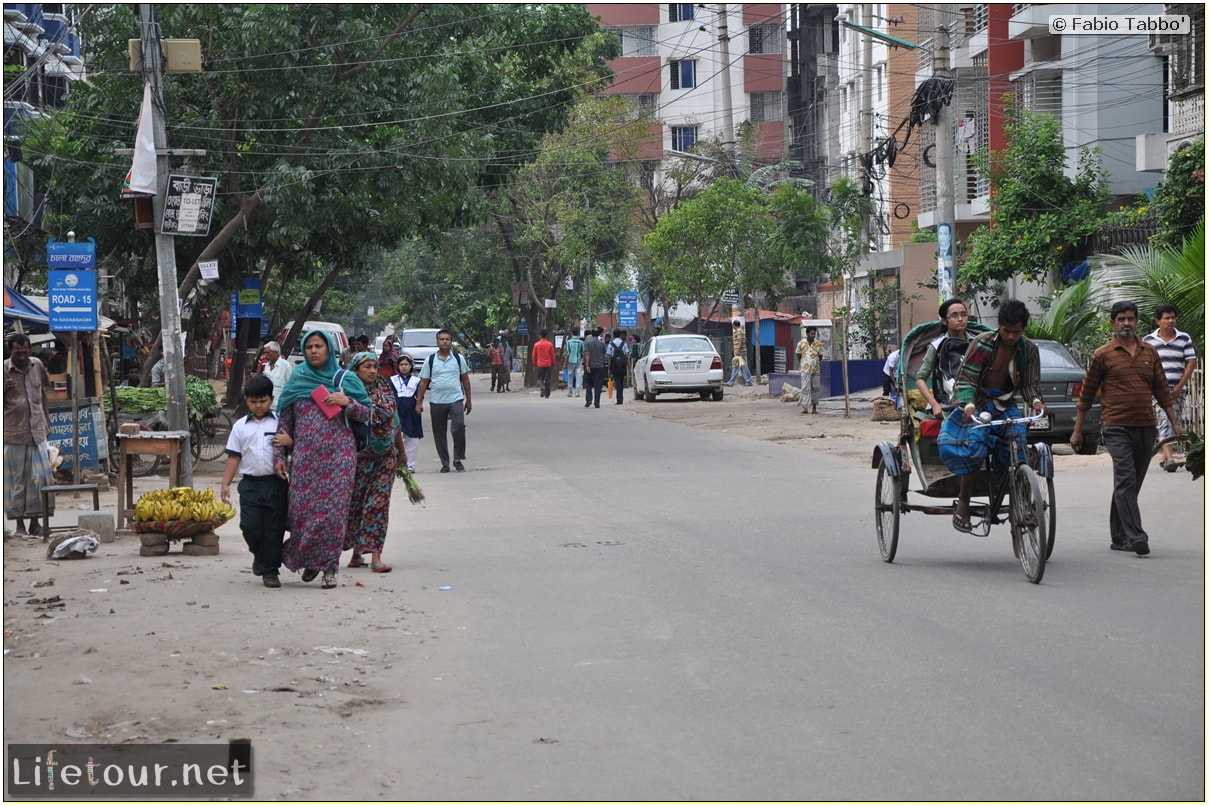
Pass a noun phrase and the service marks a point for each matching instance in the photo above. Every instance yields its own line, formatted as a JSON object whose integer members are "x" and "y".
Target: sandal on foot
{"x": 357, "y": 562}
{"x": 329, "y": 582}
{"x": 380, "y": 568}
{"x": 309, "y": 573}
{"x": 962, "y": 524}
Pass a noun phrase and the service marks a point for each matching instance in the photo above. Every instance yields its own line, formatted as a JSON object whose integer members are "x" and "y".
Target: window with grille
{"x": 765, "y": 106}
{"x": 636, "y": 40}
{"x": 1041, "y": 92}
{"x": 680, "y": 12}
{"x": 1187, "y": 60}
{"x": 927, "y": 173}
{"x": 977, "y": 18}
{"x": 643, "y": 104}
{"x": 976, "y": 108}
{"x": 764, "y": 38}
{"x": 684, "y": 74}
{"x": 683, "y": 137}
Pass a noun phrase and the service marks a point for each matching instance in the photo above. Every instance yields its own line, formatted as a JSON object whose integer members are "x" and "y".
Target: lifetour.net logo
{"x": 92, "y": 770}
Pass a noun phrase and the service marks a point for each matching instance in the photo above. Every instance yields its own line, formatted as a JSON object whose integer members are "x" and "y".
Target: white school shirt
{"x": 249, "y": 440}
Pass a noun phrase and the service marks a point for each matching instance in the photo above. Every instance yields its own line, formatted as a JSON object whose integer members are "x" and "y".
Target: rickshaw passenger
{"x": 998, "y": 367}
{"x": 938, "y": 371}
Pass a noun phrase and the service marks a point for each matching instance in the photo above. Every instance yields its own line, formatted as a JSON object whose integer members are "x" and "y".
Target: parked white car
{"x": 681, "y": 363}
{"x": 331, "y": 328}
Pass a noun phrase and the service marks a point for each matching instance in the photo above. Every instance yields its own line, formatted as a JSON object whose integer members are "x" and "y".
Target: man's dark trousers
{"x": 593, "y": 383}
{"x": 1131, "y": 448}
{"x": 442, "y": 414}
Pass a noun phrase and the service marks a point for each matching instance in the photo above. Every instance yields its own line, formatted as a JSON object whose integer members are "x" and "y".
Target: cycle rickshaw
{"x": 1021, "y": 494}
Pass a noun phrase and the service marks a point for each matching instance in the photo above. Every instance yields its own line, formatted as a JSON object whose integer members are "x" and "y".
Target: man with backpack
{"x": 619, "y": 362}
{"x": 448, "y": 375}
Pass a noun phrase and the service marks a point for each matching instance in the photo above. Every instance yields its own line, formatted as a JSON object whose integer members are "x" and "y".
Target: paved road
{"x": 639, "y": 610}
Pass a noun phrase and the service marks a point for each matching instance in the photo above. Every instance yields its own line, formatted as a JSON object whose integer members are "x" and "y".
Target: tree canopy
{"x": 1040, "y": 217}
{"x": 333, "y": 129}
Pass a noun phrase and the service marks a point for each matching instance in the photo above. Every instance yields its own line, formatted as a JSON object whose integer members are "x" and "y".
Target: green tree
{"x": 716, "y": 241}
{"x": 1073, "y": 318}
{"x": 1180, "y": 197}
{"x": 1150, "y": 276}
{"x": 1039, "y": 216}
{"x": 849, "y": 210}
{"x": 803, "y": 227}
{"x": 333, "y": 129}
{"x": 571, "y": 205}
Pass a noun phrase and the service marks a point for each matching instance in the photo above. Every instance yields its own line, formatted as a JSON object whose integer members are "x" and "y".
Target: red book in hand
{"x": 319, "y": 395}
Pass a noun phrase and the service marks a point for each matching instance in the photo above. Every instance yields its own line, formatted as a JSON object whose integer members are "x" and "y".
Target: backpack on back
{"x": 618, "y": 363}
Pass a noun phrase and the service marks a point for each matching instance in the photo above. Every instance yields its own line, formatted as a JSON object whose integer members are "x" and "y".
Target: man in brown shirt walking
{"x": 1127, "y": 372}
{"x": 26, "y": 426}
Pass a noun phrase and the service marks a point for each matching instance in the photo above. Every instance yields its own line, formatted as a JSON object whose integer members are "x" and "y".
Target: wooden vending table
{"x": 146, "y": 443}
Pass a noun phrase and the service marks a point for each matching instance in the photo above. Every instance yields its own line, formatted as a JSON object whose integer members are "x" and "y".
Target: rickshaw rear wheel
{"x": 887, "y": 505}
{"x": 1028, "y": 521}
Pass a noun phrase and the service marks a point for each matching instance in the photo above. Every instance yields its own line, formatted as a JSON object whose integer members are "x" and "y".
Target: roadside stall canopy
{"x": 18, "y": 307}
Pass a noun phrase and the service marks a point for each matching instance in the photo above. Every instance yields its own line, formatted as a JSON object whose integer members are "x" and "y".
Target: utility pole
{"x": 728, "y": 114}
{"x": 165, "y": 249}
{"x": 946, "y": 203}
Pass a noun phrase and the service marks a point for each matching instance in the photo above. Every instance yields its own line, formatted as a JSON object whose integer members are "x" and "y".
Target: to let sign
{"x": 72, "y": 301}
{"x": 188, "y": 205}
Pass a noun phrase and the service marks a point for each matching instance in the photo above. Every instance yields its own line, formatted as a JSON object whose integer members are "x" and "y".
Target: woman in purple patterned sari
{"x": 369, "y": 511}
{"x": 323, "y": 459}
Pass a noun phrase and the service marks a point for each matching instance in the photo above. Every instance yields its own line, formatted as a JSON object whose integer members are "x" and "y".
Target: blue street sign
{"x": 522, "y": 329}
{"x": 234, "y": 312}
{"x": 72, "y": 300}
{"x": 627, "y": 309}
{"x": 250, "y": 305}
{"x": 82, "y": 255}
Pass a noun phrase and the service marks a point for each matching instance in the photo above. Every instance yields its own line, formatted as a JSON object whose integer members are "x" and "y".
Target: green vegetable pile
{"x": 200, "y": 398}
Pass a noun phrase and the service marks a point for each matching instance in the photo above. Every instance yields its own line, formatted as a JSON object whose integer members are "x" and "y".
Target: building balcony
{"x": 26, "y": 17}
{"x": 974, "y": 46}
{"x": 56, "y": 33}
{"x": 1031, "y": 21}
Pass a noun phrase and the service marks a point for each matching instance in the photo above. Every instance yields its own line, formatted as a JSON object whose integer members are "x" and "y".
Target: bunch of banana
{"x": 182, "y": 504}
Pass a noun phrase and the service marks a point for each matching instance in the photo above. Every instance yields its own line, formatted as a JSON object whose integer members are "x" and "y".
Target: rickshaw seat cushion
{"x": 929, "y": 427}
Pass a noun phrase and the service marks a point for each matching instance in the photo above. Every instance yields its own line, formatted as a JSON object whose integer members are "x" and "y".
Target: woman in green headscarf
{"x": 318, "y": 455}
{"x": 369, "y": 512}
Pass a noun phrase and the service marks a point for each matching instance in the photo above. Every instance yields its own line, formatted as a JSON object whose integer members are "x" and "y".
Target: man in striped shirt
{"x": 1127, "y": 373}
{"x": 1179, "y": 360}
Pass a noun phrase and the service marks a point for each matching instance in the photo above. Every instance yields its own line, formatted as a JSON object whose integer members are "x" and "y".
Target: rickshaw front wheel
{"x": 1028, "y": 521}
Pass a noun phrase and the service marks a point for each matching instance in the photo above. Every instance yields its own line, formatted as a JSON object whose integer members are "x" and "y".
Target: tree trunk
{"x": 220, "y": 241}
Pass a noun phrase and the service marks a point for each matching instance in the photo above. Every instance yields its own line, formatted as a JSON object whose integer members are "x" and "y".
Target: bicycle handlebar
{"x": 1006, "y": 420}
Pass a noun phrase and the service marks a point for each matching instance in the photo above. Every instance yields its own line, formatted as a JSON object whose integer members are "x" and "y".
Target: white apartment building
{"x": 702, "y": 70}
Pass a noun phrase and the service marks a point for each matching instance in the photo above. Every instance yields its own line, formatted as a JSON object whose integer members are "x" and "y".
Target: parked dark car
{"x": 1061, "y": 386}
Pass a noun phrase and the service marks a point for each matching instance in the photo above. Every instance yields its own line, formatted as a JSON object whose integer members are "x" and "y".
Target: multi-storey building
{"x": 1183, "y": 58}
{"x": 41, "y": 62}
{"x": 1108, "y": 92}
{"x": 702, "y": 70}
